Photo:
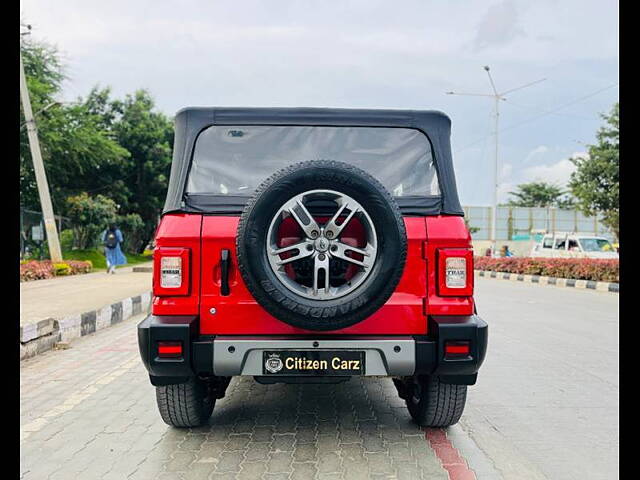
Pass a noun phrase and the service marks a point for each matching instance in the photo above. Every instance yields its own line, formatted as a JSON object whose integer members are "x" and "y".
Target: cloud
{"x": 503, "y": 191}
{"x": 536, "y": 151}
{"x": 506, "y": 170}
{"x": 557, "y": 173}
{"x": 397, "y": 55}
{"x": 499, "y": 26}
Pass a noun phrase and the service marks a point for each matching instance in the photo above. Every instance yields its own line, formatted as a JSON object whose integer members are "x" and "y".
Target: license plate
{"x": 313, "y": 362}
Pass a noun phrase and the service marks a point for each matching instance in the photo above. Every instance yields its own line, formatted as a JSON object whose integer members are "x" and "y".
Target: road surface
{"x": 63, "y": 296}
{"x": 546, "y": 401}
{"x": 545, "y": 406}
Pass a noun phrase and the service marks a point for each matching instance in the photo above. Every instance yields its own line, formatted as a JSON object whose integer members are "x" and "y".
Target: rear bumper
{"x": 242, "y": 355}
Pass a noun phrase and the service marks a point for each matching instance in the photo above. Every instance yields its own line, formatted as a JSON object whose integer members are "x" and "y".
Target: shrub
{"x": 89, "y": 217}
{"x": 66, "y": 239}
{"x": 35, "y": 270}
{"x": 60, "y": 269}
{"x": 40, "y": 270}
{"x": 80, "y": 266}
{"x": 132, "y": 228}
{"x": 576, "y": 268}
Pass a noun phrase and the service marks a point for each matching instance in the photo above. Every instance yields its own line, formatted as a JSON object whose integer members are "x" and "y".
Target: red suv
{"x": 310, "y": 245}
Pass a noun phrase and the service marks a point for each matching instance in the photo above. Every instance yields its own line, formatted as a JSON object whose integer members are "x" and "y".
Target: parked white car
{"x": 572, "y": 245}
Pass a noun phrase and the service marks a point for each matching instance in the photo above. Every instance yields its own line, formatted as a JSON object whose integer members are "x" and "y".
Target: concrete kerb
{"x": 558, "y": 282}
{"x": 41, "y": 336}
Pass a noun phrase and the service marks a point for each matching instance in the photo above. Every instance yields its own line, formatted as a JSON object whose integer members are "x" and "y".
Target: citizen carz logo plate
{"x": 314, "y": 362}
{"x": 273, "y": 363}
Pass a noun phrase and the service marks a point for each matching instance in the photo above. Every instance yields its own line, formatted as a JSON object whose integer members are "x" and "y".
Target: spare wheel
{"x": 321, "y": 245}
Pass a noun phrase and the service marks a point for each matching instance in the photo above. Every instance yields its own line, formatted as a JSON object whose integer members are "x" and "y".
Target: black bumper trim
{"x": 154, "y": 329}
{"x": 197, "y": 356}
{"x": 430, "y": 358}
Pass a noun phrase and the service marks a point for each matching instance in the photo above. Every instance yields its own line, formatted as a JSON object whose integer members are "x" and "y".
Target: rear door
{"x": 237, "y": 313}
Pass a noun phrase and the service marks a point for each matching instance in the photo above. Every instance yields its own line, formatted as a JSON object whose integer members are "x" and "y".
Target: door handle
{"x": 224, "y": 272}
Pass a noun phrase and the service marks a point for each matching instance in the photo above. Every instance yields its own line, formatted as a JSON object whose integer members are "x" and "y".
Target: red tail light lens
{"x": 455, "y": 272}
{"x": 171, "y": 267}
{"x": 169, "y": 349}
{"x": 456, "y": 349}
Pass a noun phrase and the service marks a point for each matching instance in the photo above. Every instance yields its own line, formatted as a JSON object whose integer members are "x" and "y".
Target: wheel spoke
{"x": 301, "y": 215}
{"x": 339, "y": 250}
{"x": 333, "y": 227}
{"x": 320, "y": 245}
{"x": 302, "y": 253}
{"x": 318, "y": 266}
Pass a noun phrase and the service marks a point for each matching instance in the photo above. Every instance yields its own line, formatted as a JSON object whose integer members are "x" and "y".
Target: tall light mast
{"x": 497, "y": 97}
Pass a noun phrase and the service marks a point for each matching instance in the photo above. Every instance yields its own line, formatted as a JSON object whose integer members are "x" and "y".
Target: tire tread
{"x": 441, "y": 404}
{"x": 183, "y": 405}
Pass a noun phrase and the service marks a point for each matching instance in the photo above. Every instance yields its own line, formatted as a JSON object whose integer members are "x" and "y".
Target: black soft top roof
{"x": 189, "y": 122}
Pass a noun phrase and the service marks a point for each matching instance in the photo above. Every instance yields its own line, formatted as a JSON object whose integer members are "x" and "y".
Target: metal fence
{"x": 522, "y": 223}
{"x": 513, "y": 223}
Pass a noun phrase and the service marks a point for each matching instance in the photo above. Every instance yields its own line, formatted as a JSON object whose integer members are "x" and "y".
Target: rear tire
{"x": 432, "y": 403}
{"x": 187, "y": 404}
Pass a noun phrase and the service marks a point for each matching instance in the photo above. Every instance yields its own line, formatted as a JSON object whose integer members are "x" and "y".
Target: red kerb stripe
{"x": 448, "y": 455}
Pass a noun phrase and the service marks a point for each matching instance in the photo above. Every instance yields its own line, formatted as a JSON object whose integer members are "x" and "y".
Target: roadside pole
{"x": 498, "y": 97}
{"x": 494, "y": 204}
{"x": 41, "y": 177}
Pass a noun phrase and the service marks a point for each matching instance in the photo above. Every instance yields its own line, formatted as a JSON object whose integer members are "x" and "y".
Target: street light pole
{"x": 494, "y": 204}
{"x": 40, "y": 174}
{"x": 497, "y": 98}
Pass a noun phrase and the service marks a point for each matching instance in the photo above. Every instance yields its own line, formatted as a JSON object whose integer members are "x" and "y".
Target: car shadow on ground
{"x": 356, "y": 429}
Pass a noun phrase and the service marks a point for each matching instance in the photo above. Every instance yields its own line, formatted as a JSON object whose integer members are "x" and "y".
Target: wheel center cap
{"x": 321, "y": 244}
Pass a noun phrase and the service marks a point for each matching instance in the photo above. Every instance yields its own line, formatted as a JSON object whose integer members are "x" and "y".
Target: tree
{"x": 148, "y": 137}
{"x": 102, "y": 147}
{"x": 75, "y": 145}
{"x": 132, "y": 228}
{"x": 540, "y": 194}
{"x": 89, "y": 217}
{"x": 471, "y": 229}
{"x": 595, "y": 182}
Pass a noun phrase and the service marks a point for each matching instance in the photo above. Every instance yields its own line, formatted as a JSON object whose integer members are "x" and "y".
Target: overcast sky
{"x": 370, "y": 53}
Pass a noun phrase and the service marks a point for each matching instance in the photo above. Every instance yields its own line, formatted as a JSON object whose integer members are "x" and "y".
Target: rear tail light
{"x": 455, "y": 272}
{"x": 454, "y": 349}
{"x": 171, "y": 271}
{"x": 169, "y": 349}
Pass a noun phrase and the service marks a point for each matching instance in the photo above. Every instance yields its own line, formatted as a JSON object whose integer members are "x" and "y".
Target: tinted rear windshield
{"x": 234, "y": 160}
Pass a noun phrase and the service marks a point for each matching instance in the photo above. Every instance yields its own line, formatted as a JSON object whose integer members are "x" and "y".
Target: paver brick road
{"x": 89, "y": 412}
{"x": 545, "y": 407}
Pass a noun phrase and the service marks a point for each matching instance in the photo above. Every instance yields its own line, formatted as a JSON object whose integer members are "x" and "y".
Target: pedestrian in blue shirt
{"x": 112, "y": 238}
{"x": 505, "y": 252}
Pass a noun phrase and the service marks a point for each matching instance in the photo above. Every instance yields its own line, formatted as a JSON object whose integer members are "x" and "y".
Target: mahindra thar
{"x": 310, "y": 245}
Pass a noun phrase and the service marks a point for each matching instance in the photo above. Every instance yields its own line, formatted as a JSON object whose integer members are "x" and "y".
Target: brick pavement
{"x": 89, "y": 412}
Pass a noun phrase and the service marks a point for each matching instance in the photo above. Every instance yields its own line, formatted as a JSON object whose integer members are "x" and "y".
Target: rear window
{"x": 234, "y": 160}
{"x": 596, "y": 245}
{"x": 560, "y": 243}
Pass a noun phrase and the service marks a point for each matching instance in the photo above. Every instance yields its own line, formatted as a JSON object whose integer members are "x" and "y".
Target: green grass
{"x": 99, "y": 261}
